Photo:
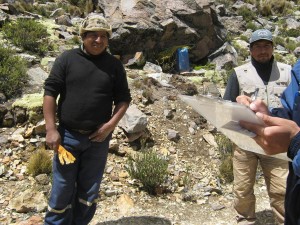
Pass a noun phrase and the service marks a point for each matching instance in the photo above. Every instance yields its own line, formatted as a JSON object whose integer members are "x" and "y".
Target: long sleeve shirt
{"x": 88, "y": 87}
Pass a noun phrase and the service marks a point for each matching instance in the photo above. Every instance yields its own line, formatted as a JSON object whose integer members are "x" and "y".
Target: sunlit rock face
{"x": 154, "y": 26}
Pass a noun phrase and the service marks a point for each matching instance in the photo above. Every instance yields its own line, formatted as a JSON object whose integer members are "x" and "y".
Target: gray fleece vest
{"x": 249, "y": 80}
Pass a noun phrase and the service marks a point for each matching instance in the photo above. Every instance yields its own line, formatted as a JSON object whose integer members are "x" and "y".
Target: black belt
{"x": 77, "y": 130}
{"x": 82, "y": 131}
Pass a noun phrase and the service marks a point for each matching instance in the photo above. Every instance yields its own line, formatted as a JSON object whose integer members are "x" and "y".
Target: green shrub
{"x": 227, "y": 3}
{"x": 22, "y": 6}
{"x": 225, "y": 147}
{"x": 27, "y": 34}
{"x": 279, "y": 40}
{"x": 77, "y": 2}
{"x": 290, "y": 44}
{"x": 13, "y": 75}
{"x": 41, "y": 10}
{"x": 187, "y": 178}
{"x": 227, "y": 75}
{"x": 244, "y": 38}
{"x": 229, "y": 37}
{"x": 265, "y": 9}
{"x": 246, "y": 13}
{"x": 226, "y": 169}
{"x": 293, "y": 32}
{"x": 39, "y": 163}
{"x": 209, "y": 66}
{"x": 89, "y": 6}
{"x": 274, "y": 7}
{"x": 73, "y": 10}
{"x": 252, "y": 26}
{"x": 149, "y": 169}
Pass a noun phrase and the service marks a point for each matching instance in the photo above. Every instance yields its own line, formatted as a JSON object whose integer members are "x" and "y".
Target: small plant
{"x": 89, "y": 6}
{"x": 225, "y": 147}
{"x": 274, "y": 7}
{"x": 39, "y": 163}
{"x": 279, "y": 40}
{"x": 226, "y": 169}
{"x": 186, "y": 180}
{"x": 148, "y": 94}
{"x": 290, "y": 45}
{"x": 209, "y": 66}
{"x": 293, "y": 32}
{"x": 246, "y": 13}
{"x": 252, "y": 26}
{"x": 244, "y": 38}
{"x": 150, "y": 169}
{"x": 27, "y": 34}
{"x": 13, "y": 75}
{"x": 265, "y": 9}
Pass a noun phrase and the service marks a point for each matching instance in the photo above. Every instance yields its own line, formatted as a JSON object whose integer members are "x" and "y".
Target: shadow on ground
{"x": 265, "y": 217}
{"x": 138, "y": 220}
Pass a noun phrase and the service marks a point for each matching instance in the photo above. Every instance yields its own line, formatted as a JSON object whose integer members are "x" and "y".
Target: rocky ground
{"x": 195, "y": 195}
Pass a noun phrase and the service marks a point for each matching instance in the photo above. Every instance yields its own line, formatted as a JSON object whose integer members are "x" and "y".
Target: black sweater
{"x": 88, "y": 86}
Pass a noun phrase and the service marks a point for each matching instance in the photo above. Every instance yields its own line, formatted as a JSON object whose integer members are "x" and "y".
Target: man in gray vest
{"x": 266, "y": 79}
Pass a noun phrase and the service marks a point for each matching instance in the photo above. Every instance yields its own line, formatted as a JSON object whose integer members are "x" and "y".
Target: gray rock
{"x": 173, "y": 135}
{"x": 158, "y": 25}
{"x": 29, "y": 201}
{"x": 134, "y": 121}
{"x": 42, "y": 179}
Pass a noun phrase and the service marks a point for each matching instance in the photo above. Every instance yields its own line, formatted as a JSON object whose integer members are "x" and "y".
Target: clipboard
{"x": 225, "y": 116}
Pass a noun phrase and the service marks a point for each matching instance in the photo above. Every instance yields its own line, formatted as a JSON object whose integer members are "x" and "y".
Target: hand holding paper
{"x": 226, "y": 117}
{"x": 275, "y": 136}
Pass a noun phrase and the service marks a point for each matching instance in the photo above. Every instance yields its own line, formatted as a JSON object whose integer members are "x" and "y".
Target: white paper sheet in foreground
{"x": 225, "y": 115}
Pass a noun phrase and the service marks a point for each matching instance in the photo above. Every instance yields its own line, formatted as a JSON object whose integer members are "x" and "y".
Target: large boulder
{"x": 154, "y": 26}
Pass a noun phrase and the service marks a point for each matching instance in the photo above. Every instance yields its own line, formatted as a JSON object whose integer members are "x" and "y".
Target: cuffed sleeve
{"x": 294, "y": 146}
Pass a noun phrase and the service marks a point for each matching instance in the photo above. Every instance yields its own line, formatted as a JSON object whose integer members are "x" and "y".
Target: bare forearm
{"x": 118, "y": 113}
{"x": 105, "y": 129}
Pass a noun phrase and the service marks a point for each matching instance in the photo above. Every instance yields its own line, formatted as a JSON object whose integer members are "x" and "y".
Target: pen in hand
{"x": 254, "y": 96}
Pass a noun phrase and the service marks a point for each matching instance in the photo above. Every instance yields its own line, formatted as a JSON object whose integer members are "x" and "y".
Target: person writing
{"x": 279, "y": 135}
{"x": 266, "y": 79}
{"x": 93, "y": 96}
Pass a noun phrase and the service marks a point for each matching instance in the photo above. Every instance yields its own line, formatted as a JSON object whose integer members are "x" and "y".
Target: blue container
{"x": 182, "y": 60}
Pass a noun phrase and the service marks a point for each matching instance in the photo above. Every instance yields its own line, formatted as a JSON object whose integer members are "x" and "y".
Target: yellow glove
{"x": 64, "y": 156}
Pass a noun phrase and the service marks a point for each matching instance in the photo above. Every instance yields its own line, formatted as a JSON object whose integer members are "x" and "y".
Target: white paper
{"x": 225, "y": 116}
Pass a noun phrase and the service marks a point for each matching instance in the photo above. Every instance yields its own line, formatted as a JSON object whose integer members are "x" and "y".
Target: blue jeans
{"x": 75, "y": 186}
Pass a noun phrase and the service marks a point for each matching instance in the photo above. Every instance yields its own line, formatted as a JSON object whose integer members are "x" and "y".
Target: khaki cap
{"x": 95, "y": 22}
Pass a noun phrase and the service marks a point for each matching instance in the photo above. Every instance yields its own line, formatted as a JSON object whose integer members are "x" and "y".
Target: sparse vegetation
{"x": 274, "y": 7}
{"x": 167, "y": 58}
{"x": 149, "y": 168}
{"x": 251, "y": 25}
{"x": 79, "y": 7}
{"x": 225, "y": 147}
{"x": 40, "y": 162}
{"x": 27, "y": 34}
{"x": 246, "y": 13}
{"x": 226, "y": 169}
{"x": 186, "y": 180}
{"x": 13, "y": 75}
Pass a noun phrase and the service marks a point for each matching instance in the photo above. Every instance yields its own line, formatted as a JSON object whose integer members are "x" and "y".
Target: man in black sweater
{"x": 266, "y": 79}
{"x": 88, "y": 81}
